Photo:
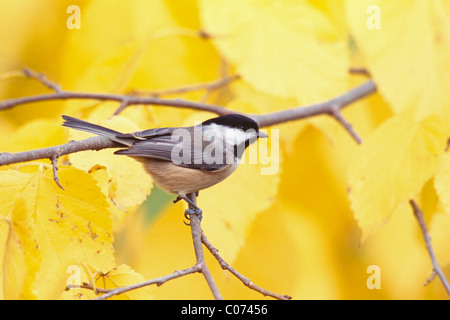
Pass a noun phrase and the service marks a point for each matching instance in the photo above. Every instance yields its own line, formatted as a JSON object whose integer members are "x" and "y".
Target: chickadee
{"x": 184, "y": 160}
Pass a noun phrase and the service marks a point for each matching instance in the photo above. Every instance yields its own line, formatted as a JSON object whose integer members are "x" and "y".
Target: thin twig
{"x": 210, "y": 85}
{"x": 122, "y": 107}
{"x": 246, "y": 281}
{"x": 430, "y": 278}
{"x": 198, "y": 238}
{"x": 326, "y": 107}
{"x": 54, "y": 160}
{"x": 337, "y": 114}
{"x": 42, "y": 79}
{"x": 132, "y": 100}
{"x": 88, "y": 287}
{"x": 125, "y": 100}
{"x": 426, "y": 236}
{"x": 196, "y": 232}
{"x": 94, "y": 143}
{"x": 158, "y": 281}
{"x": 448, "y": 145}
{"x": 358, "y": 70}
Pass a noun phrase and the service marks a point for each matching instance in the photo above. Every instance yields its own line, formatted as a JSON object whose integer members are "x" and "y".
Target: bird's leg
{"x": 180, "y": 198}
{"x": 193, "y": 208}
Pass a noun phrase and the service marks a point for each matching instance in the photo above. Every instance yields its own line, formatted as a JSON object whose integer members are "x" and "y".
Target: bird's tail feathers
{"x": 82, "y": 125}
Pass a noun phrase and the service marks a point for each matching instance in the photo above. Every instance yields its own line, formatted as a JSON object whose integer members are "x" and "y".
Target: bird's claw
{"x": 189, "y": 212}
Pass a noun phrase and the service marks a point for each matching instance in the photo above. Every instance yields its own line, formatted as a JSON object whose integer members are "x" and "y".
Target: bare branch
{"x": 125, "y": 100}
{"x": 42, "y": 79}
{"x": 196, "y": 232}
{"x": 131, "y": 100}
{"x": 98, "y": 143}
{"x": 200, "y": 265}
{"x": 426, "y": 236}
{"x": 208, "y": 86}
{"x": 94, "y": 143}
{"x": 326, "y": 107}
{"x": 158, "y": 281}
{"x": 198, "y": 237}
{"x": 211, "y": 85}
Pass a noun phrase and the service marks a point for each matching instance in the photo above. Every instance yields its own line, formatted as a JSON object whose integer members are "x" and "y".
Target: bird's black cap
{"x": 234, "y": 121}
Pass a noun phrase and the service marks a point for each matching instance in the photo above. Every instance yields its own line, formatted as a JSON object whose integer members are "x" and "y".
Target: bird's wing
{"x": 181, "y": 152}
{"x": 149, "y": 133}
{"x": 156, "y": 148}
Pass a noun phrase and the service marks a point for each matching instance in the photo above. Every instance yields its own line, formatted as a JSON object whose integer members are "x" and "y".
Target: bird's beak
{"x": 262, "y": 135}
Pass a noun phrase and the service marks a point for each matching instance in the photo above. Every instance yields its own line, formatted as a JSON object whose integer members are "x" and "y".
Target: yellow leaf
{"x": 110, "y": 47}
{"x": 398, "y": 250}
{"x": 35, "y": 134}
{"x": 440, "y": 236}
{"x": 35, "y": 41}
{"x": 130, "y": 184}
{"x": 121, "y": 276}
{"x": 71, "y": 225}
{"x": 231, "y": 207}
{"x": 22, "y": 256}
{"x": 406, "y": 46}
{"x": 178, "y": 57}
{"x": 442, "y": 181}
{"x": 297, "y": 244}
{"x": 6, "y": 132}
{"x": 391, "y": 167}
{"x": 150, "y": 249}
{"x": 126, "y": 50}
{"x": 314, "y": 177}
{"x": 288, "y": 48}
{"x": 247, "y": 98}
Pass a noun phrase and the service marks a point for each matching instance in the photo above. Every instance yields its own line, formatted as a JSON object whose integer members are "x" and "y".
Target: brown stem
{"x": 94, "y": 143}
{"x": 131, "y": 100}
{"x": 158, "y": 281}
{"x": 196, "y": 232}
{"x": 426, "y": 236}
{"x": 326, "y": 107}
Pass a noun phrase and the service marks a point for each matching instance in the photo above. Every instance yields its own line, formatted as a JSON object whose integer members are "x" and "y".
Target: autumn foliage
{"x": 312, "y": 228}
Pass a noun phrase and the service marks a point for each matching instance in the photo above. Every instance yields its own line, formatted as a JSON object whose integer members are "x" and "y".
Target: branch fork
{"x": 199, "y": 239}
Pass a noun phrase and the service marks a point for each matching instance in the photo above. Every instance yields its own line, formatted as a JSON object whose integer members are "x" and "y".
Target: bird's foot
{"x": 196, "y": 211}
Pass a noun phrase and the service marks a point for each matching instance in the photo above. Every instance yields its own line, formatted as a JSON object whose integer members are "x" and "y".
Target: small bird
{"x": 184, "y": 160}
